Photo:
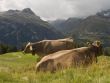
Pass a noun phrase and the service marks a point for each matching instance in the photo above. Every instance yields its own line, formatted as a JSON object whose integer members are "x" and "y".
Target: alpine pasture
{"x": 19, "y": 68}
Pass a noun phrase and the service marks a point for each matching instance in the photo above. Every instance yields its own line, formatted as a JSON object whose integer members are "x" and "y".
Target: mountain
{"x": 20, "y": 26}
{"x": 95, "y": 27}
{"x": 65, "y": 26}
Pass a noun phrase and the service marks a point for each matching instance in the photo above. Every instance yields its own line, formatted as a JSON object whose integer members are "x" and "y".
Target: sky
{"x": 57, "y": 9}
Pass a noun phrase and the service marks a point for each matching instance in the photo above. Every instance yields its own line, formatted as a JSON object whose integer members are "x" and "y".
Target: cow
{"x": 82, "y": 56}
{"x": 45, "y": 47}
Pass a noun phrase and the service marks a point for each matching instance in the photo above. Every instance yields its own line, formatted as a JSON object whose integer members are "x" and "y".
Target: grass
{"x": 19, "y": 68}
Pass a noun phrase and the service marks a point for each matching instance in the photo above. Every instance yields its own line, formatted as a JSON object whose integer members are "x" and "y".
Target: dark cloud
{"x": 54, "y": 9}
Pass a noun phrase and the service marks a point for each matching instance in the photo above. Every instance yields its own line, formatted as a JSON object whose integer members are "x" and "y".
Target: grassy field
{"x": 19, "y": 68}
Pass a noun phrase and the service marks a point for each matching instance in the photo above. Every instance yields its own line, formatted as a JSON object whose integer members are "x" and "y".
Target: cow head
{"x": 97, "y": 48}
{"x": 28, "y": 48}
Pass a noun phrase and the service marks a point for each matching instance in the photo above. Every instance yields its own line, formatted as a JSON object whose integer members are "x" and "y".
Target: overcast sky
{"x": 57, "y": 9}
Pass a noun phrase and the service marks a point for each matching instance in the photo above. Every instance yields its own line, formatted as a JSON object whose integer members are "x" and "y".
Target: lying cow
{"x": 67, "y": 58}
{"x": 49, "y": 46}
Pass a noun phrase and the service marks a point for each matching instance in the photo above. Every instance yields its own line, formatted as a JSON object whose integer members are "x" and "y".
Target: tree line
{"x": 4, "y": 48}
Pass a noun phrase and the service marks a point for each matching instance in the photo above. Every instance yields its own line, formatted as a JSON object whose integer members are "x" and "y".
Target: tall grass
{"x": 14, "y": 69}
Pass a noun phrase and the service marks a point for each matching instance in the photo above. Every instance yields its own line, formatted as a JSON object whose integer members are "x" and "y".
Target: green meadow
{"x": 19, "y": 68}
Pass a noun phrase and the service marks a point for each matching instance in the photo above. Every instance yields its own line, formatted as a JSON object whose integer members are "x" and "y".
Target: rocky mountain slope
{"x": 20, "y": 26}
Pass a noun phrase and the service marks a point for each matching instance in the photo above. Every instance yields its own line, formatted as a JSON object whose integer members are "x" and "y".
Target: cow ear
{"x": 88, "y": 44}
{"x": 96, "y": 43}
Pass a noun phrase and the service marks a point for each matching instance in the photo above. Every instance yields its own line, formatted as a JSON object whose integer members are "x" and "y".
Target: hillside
{"x": 19, "y": 68}
{"x": 95, "y": 27}
{"x": 20, "y": 26}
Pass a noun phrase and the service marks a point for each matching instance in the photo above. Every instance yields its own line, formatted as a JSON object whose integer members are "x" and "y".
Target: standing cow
{"x": 49, "y": 46}
{"x": 67, "y": 58}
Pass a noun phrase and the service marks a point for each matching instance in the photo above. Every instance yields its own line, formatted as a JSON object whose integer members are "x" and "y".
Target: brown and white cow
{"x": 49, "y": 46}
{"x": 67, "y": 58}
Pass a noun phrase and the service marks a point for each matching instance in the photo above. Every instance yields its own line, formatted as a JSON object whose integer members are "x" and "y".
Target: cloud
{"x": 89, "y": 7}
{"x": 54, "y": 9}
{"x": 13, "y": 4}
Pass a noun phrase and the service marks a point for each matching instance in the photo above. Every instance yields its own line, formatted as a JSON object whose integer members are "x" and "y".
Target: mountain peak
{"x": 10, "y": 12}
{"x": 28, "y": 10}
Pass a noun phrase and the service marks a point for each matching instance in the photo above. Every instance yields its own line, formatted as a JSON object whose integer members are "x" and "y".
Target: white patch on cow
{"x": 28, "y": 44}
{"x": 31, "y": 47}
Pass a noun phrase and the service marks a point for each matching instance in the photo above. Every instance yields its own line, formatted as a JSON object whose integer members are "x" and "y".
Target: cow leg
{"x": 50, "y": 66}
{"x": 96, "y": 60}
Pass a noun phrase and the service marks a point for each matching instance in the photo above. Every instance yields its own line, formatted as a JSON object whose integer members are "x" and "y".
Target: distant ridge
{"x": 95, "y": 27}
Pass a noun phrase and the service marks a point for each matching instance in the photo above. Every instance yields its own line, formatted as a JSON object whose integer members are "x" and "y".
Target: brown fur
{"x": 68, "y": 58}
{"x": 49, "y": 46}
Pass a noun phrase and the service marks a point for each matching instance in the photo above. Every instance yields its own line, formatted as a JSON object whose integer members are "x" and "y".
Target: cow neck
{"x": 37, "y": 46}
{"x": 94, "y": 49}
